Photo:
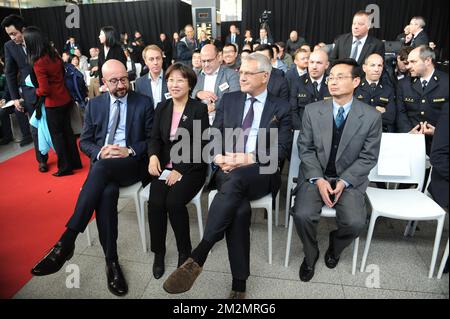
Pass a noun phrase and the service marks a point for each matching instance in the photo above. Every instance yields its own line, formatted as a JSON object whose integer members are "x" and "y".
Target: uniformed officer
{"x": 421, "y": 98}
{"x": 311, "y": 87}
{"x": 377, "y": 91}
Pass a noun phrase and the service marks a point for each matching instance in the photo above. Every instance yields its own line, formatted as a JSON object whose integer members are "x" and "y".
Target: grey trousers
{"x": 351, "y": 214}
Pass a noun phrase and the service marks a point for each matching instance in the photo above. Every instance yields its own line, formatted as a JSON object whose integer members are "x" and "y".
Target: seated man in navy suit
{"x": 116, "y": 132}
{"x": 243, "y": 171}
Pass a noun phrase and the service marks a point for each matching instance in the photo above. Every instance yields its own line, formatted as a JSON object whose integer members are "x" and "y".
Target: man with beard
{"x": 115, "y": 136}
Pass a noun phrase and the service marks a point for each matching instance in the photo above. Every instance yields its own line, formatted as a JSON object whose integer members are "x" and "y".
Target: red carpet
{"x": 34, "y": 208}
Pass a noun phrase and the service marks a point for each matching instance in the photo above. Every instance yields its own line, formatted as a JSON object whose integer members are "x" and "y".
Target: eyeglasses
{"x": 339, "y": 78}
{"x": 115, "y": 82}
{"x": 243, "y": 73}
{"x": 176, "y": 81}
{"x": 209, "y": 61}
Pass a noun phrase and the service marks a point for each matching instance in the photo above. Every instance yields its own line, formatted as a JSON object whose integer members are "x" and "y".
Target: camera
{"x": 265, "y": 16}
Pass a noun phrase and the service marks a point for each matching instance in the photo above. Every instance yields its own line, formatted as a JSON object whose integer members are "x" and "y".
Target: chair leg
{"x": 141, "y": 224}
{"x": 142, "y": 202}
{"x": 355, "y": 255}
{"x": 443, "y": 262}
{"x": 269, "y": 230}
{"x": 410, "y": 229}
{"x": 437, "y": 241}
{"x": 88, "y": 235}
{"x": 288, "y": 244}
{"x": 288, "y": 205}
{"x": 373, "y": 220}
{"x": 277, "y": 209}
{"x": 198, "y": 207}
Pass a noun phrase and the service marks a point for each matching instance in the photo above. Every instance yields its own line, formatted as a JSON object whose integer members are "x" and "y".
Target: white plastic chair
{"x": 131, "y": 191}
{"x": 266, "y": 203}
{"x": 404, "y": 204}
{"x": 443, "y": 262}
{"x": 326, "y": 212}
{"x": 294, "y": 164}
{"x": 144, "y": 195}
{"x": 138, "y": 69}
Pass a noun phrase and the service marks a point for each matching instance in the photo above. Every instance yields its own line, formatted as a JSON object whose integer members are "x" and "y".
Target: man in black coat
{"x": 358, "y": 44}
{"x": 419, "y": 36}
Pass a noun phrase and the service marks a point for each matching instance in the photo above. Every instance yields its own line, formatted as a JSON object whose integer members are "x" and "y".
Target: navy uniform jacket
{"x": 383, "y": 96}
{"x": 302, "y": 94}
{"x": 415, "y": 105}
{"x": 278, "y": 85}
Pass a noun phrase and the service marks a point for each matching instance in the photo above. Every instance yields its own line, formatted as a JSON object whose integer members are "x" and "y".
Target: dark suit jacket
{"x": 439, "y": 159}
{"x": 421, "y": 39}
{"x": 16, "y": 71}
{"x": 238, "y": 41}
{"x": 115, "y": 53}
{"x": 138, "y": 126}
{"x": 343, "y": 48}
{"x": 276, "y": 114}
{"x": 144, "y": 87}
{"x": 278, "y": 85}
{"x": 160, "y": 143}
{"x": 358, "y": 149}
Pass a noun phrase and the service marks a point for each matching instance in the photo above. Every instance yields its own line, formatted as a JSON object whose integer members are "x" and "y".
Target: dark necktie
{"x": 316, "y": 89}
{"x": 340, "y": 117}
{"x": 373, "y": 86}
{"x": 246, "y": 126}
{"x": 424, "y": 84}
{"x": 115, "y": 123}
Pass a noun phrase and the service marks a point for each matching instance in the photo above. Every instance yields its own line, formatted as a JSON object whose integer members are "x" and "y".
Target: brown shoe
{"x": 182, "y": 279}
{"x": 236, "y": 295}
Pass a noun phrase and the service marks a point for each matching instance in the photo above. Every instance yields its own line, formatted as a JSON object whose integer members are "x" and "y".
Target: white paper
{"x": 165, "y": 174}
{"x": 394, "y": 156}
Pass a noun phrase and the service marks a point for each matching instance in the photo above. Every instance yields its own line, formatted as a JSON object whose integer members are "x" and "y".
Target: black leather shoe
{"x": 54, "y": 260}
{"x": 158, "y": 266}
{"x": 26, "y": 140}
{"x": 43, "y": 168}
{"x": 307, "y": 272}
{"x": 62, "y": 173}
{"x": 116, "y": 281}
{"x": 182, "y": 258}
{"x": 5, "y": 140}
{"x": 330, "y": 260}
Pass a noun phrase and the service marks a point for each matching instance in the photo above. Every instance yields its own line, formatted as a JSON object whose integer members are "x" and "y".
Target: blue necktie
{"x": 246, "y": 127}
{"x": 115, "y": 122}
{"x": 355, "y": 50}
{"x": 340, "y": 117}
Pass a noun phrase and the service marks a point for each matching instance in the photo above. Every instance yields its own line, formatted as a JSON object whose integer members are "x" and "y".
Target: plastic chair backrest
{"x": 138, "y": 69}
{"x": 415, "y": 154}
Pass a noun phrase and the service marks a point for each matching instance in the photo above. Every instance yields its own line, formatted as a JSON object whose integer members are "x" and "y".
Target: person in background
{"x": 84, "y": 65}
{"x": 203, "y": 39}
{"x": 166, "y": 48}
{"x": 52, "y": 92}
{"x": 71, "y": 45}
{"x": 231, "y": 57}
{"x": 186, "y": 46}
{"x": 168, "y": 197}
{"x": 294, "y": 42}
{"x": 175, "y": 40}
{"x": 284, "y": 56}
{"x": 196, "y": 62}
{"x": 94, "y": 84}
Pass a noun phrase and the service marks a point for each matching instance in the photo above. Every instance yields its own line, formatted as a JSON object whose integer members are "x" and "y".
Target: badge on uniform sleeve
{"x": 223, "y": 87}
{"x": 167, "y": 96}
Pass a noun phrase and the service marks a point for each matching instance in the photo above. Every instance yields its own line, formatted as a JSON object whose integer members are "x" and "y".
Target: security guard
{"x": 421, "y": 99}
{"x": 311, "y": 87}
{"x": 377, "y": 91}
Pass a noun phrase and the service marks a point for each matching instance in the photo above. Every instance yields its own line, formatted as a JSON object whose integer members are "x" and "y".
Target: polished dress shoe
{"x": 43, "y": 168}
{"x": 330, "y": 260}
{"x": 158, "y": 266}
{"x": 183, "y": 278}
{"x": 236, "y": 295}
{"x": 62, "y": 173}
{"x": 116, "y": 281}
{"x": 54, "y": 260}
{"x": 307, "y": 272}
{"x": 5, "y": 140}
{"x": 26, "y": 140}
{"x": 182, "y": 258}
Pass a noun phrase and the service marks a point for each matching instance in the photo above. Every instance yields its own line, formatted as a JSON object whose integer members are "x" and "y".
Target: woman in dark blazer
{"x": 110, "y": 48}
{"x": 187, "y": 176}
{"x": 48, "y": 79}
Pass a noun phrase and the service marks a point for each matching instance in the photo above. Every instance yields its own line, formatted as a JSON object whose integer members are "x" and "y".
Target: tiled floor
{"x": 398, "y": 264}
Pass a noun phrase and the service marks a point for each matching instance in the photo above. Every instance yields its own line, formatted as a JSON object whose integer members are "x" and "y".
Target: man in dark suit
{"x": 358, "y": 44}
{"x": 239, "y": 172}
{"x": 166, "y": 48}
{"x": 377, "y": 91}
{"x": 278, "y": 85}
{"x": 17, "y": 70}
{"x": 264, "y": 37}
{"x": 186, "y": 46}
{"x": 338, "y": 146}
{"x": 310, "y": 88}
{"x": 419, "y": 36}
{"x": 153, "y": 84}
{"x": 421, "y": 98}
{"x": 234, "y": 38}
{"x": 117, "y": 128}
{"x": 71, "y": 45}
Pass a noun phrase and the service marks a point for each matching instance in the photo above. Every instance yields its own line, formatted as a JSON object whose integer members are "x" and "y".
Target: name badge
{"x": 301, "y": 95}
{"x": 223, "y": 87}
{"x": 360, "y": 97}
{"x": 327, "y": 97}
{"x": 167, "y": 96}
{"x": 383, "y": 99}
